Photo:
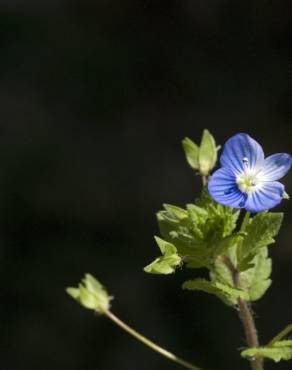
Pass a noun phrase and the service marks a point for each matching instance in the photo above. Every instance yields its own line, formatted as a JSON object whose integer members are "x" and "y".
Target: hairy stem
{"x": 246, "y": 317}
{"x": 149, "y": 343}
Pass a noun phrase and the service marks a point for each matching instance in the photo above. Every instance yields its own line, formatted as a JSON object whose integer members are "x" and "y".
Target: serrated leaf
{"x": 91, "y": 294}
{"x": 281, "y": 350}
{"x": 207, "y": 153}
{"x": 200, "y": 284}
{"x": 167, "y": 263}
{"x": 260, "y": 233}
{"x": 192, "y": 153}
{"x": 278, "y": 348}
{"x": 200, "y": 232}
{"x": 224, "y": 292}
{"x": 256, "y": 280}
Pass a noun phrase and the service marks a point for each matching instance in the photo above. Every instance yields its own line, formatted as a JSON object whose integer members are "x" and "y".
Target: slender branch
{"x": 205, "y": 180}
{"x": 281, "y": 335}
{"x": 149, "y": 343}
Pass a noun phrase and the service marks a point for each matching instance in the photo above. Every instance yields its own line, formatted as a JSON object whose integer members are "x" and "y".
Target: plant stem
{"x": 281, "y": 335}
{"x": 246, "y": 317}
{"x": 245, "y": 221}
{"x": 204, "y": 180}
{"x": 149, "y": 343}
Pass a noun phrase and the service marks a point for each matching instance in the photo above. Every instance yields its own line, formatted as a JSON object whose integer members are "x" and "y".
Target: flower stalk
{"x": 149, "y": 343}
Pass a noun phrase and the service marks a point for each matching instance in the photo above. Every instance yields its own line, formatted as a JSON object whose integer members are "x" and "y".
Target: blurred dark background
{"x": 95, "y": 99}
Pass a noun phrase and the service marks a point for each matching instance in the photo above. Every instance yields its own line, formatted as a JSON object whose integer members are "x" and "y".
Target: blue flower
{"x": 247, "y": 179}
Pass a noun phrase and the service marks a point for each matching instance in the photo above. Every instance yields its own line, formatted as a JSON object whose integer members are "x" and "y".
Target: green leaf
{"x": 200, "y": 232}
{"x": 176, "y": 212}
{"x": 260, "y": 233}
{"x": 281, "y": 350}
{"x": 91, "y": 294}
{"x": 167, "y": 263}
{"x": 207, "y": 153}
{"x": 223, "y": 291}
{"x": 192, "y": 153}
{"x": 167, "y": 249}
{"x": 277, "y": 349}
{"x": 227, "y": 243}
{"x": 196, "y": 214}
{"x": 256, "y": 280}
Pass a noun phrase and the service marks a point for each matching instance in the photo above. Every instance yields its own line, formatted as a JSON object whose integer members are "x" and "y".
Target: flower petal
{"x": 269, "y": 195}
{"x": 237, "y": 148}
{"x": 276, "y": 166}
{"x": 223, "y": 188}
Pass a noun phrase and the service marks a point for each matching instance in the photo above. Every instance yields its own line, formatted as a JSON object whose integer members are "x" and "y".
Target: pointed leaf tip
{"x": 168, "y": 262}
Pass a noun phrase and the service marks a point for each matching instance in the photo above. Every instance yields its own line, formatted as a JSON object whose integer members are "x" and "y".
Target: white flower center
{"x": 248, "y": 181}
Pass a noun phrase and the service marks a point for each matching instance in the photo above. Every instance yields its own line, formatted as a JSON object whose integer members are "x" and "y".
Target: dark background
{"x": 95, "y": 98}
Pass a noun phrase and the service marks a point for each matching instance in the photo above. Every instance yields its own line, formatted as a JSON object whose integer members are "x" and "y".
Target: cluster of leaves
{"x": 205, "y": 234}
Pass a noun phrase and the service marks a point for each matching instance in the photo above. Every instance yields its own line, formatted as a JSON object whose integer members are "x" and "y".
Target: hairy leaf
{"x": 223, "y": 291}
{"x": 281, "y": 350}
{"x": 260, "y": 233}
{"x": 201, "y": 231}
{"x": 256, "y": 280}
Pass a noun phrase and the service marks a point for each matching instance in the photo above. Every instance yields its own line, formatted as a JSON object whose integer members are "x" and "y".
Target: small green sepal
{"x": 207, "y": 154}
{"x": 192, "y": 153}
{"x": 286, "y": 195}
{"x": 91, "y": 294}
{"x": 201, "y": 158}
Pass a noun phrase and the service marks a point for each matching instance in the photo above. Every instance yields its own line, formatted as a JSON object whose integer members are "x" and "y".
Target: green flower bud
{"x": 201, "y": 158}
{"x": 91, "y": 294}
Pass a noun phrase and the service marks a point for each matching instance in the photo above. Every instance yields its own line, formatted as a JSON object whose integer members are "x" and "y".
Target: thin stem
{"x": 245, "y": 222}
{"x": 149, "y": 343}
{"x": 281, "y": 335}
{"x": 204, "y": 180}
